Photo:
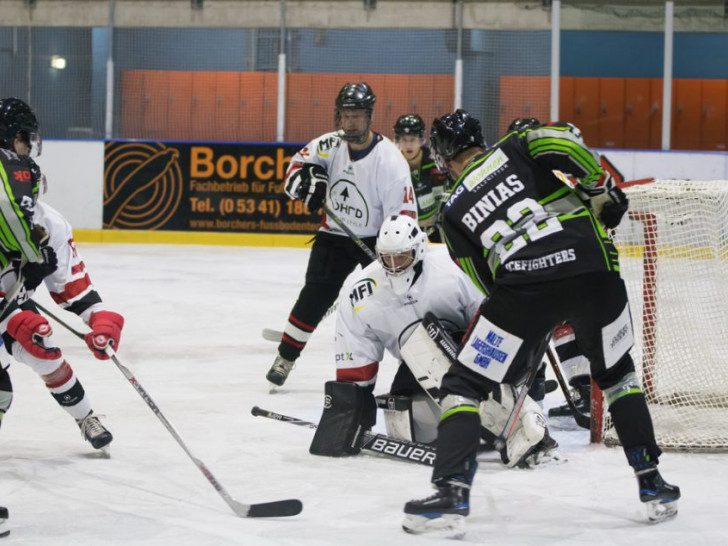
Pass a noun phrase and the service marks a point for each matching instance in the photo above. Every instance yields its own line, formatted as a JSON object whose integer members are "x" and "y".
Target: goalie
{"x": 383, "y": 307}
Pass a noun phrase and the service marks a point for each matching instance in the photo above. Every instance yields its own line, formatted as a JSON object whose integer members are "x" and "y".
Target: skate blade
{"x": 101, "y": 453}
{"x": 657, "y": 511}
{"x": 445, "y": 526}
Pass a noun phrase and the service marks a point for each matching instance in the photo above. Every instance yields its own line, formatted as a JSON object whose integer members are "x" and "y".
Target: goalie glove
{"x": 105, "y": 330}
{"x": 308, "y": 184}
{"x": 34, "y": 272}
{"x": 613, "y": 211}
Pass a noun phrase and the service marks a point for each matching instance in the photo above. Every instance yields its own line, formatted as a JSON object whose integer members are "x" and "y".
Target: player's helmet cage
{"x": 400, "y": 246}
{"x": 521, "y": 124}
{"x": 409, "y": 124}
{"x": 17, "y": 120}
{"x": 452, "y": 134}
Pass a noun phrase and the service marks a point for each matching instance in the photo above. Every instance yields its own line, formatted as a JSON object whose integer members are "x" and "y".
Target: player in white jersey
{"x": 386, "y": 307}
{"x": 363, "y": 178}
{"x": 28, "y": 335}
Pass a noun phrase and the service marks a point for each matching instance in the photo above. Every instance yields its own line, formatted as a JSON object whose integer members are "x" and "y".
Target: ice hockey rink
{"x": 192, "y": 338}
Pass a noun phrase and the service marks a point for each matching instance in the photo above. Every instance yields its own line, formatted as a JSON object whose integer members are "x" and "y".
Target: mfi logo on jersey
{"x": 327, "y": 144}
{"x": 362, "y": 289}
{"x": 348, "y": 202}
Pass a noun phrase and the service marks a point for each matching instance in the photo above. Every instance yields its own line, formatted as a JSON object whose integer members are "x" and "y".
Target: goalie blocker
{"x": 349, "y": 410}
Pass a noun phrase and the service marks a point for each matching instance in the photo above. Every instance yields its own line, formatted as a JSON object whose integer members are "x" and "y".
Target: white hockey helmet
{"x": 401, "y": 245}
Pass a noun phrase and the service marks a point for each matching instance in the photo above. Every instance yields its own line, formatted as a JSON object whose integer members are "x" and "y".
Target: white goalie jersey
{"x": 372, "y": 318}
{"x": 363, "y": 187}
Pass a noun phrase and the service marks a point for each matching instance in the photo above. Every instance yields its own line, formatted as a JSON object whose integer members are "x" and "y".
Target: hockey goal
{"x": 674, "y": 259}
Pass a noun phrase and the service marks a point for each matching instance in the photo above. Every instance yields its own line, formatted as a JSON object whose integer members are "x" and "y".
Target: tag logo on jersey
{"x": 361, "y": 290}
{"x": 491, "y": 166}
{"x": 348, "y": 202}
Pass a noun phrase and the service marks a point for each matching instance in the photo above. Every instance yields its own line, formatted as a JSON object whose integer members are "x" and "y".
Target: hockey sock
{"x": 68, "y": 391}
{"x": 457, "y": 445}
{"x": 633, "y": 424}
{"x": 311, "y": 306}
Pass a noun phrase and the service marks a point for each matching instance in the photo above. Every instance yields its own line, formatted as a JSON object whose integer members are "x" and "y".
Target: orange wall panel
{"x": 637, "y": 113}
{"x": 714, "y": 100}
{"x": 611, "y": 113}
{"x": 227, "y": 105}
{"x": 204, "y": 86}
{"x": 586, "y": 109}
{"x": 132, "y": 102}
{"x": 156, "y": 93}
{"x": 686, "y": 114}
{"x": 523, "y": 97}
{"x": 179, "y": 105}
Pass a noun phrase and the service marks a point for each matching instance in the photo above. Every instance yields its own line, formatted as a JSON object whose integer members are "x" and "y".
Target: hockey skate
{"x": 279, "y": 371}
{"x": 660, "y": 497}
{"x": 582, "y": 399}
{"x": 4, "y": 530}
{"x": 93, "y": 431}
{"x": 442, "y": 514}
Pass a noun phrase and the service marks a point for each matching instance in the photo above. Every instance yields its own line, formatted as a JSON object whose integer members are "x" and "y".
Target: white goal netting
{"x": 674, "y": 259}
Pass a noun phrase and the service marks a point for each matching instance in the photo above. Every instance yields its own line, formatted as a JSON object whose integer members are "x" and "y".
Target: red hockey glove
{"x": 106, "y": 329}
{"x": 30, "y": 330}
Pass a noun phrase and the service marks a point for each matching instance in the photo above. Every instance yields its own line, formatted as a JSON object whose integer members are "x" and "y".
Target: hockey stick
{"x": 378, "y": 443}
{"x": 352, "y": 236}
{"x": 584, "y": 421}
{"x": 282, "y": 508}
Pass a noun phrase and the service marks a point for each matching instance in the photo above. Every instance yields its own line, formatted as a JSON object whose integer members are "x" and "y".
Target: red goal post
{"x": 673, "y": 247}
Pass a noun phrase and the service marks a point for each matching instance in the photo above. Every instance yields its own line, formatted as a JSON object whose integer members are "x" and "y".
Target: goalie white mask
{"x": 401, "y": 245}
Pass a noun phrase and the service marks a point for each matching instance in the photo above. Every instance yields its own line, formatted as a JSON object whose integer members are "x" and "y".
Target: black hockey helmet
{"x": 409, "y": 124}
{"x": 17, "y": 119}
{"x": 452, "y": 134}
{"x": 521, "y": 124}
{"x": 356, "y": 96}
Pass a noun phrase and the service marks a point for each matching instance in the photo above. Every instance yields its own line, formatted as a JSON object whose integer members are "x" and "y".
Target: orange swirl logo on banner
{"x": 142, "y": 185}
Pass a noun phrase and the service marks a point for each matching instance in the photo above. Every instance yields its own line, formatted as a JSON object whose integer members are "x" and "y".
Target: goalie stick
{"x": 282, "y": 508}
{"x": 378, "y": 443}
{"x": 583, "y": 420}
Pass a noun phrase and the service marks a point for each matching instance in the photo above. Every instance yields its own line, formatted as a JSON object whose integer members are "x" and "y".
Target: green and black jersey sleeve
{"x": 511, "y": 220}
{"x": 17, "y": 202}
{"x": 429, "y": 185}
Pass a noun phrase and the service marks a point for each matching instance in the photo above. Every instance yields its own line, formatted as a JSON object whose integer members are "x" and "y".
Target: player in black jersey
{"x": 428, "y": 182}
{"x": 538, "y": 249}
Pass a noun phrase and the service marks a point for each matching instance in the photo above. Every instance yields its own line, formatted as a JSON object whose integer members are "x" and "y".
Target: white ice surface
{"x": 192, "y": 338}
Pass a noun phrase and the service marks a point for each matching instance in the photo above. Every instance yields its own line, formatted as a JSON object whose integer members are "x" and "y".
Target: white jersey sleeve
{"x": 69, "y": 285}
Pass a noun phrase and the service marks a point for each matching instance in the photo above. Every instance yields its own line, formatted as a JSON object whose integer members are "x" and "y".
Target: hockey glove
{"x": 309, "y": 185}
{"x": 31, "y": 330}
{"x": 105, "y": 330}
{"x": 612, "y": 211}
{"x": 35, "y": 272}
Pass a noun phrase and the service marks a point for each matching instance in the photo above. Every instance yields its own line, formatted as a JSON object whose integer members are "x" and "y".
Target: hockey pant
{"x": 331, "y": 260}
{"x": 509, "y": 334}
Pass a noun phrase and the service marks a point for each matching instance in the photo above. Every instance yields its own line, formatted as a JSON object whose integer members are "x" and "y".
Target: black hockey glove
{"x": 309, "y": 185}
{"x": 34, "y": 273}
{"x": 613, "y": 210}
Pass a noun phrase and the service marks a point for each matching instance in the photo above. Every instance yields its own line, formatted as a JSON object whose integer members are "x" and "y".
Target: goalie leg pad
{"x": 398, "y": 417}
{"x": 528, "y": 431}
{"x": 426, "y": 360}
{"x": 339, "y": 431}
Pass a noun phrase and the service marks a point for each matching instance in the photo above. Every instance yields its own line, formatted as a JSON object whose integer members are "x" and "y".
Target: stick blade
{"x": 272, "y": 335}
{"x": 275, "y": 509}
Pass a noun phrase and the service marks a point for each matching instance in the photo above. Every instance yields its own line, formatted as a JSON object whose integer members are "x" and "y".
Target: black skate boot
{"x": 93, "y": 431}
{"x": 443, "y": 513}
{"x": 279, "y": 371}
{"x": 581, "y": 393}
{"x": 4, "y": 531}
{"x": 660, "y": 497}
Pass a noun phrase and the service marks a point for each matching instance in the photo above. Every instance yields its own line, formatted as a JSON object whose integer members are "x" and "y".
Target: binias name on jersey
{"x": 491, "y": 200}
